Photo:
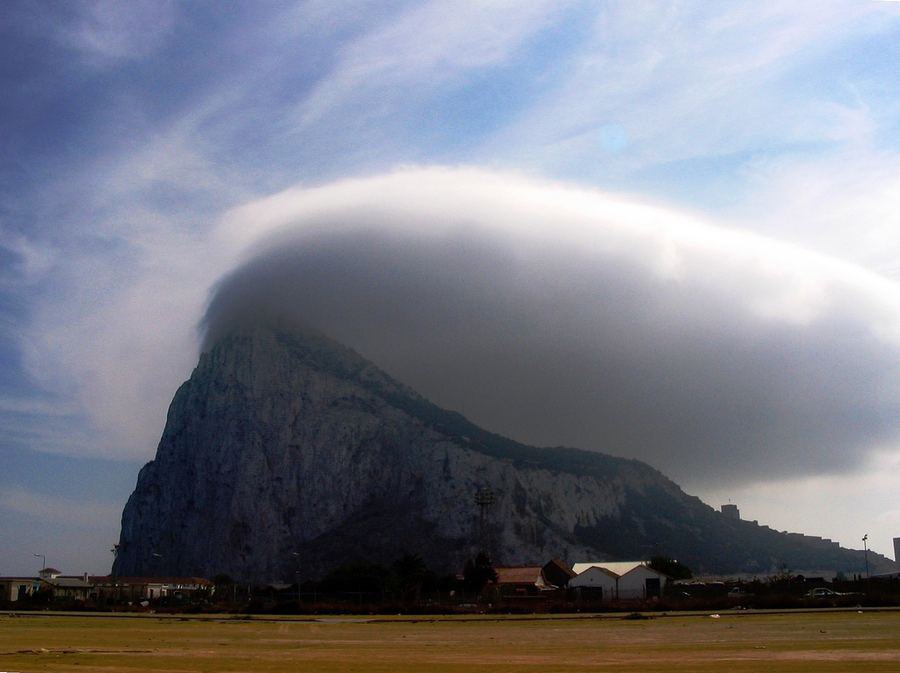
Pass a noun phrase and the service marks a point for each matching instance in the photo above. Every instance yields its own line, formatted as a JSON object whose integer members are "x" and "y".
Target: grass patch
{"x": 775, "y": 643}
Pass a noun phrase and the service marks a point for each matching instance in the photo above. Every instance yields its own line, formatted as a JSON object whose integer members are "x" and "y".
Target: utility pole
{"x": 43, "y": 558}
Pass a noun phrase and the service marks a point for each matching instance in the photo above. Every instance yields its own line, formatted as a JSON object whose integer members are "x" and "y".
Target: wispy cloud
{"x": 690, "y": 80}
{"x": 106, "y": 30}
{"x": 34, "y": 406}
{"x": 423, "y": 50}
{"x": 59, "y": 510}
{"x": 846, "y": 203}
{"x": 29, "y": 262}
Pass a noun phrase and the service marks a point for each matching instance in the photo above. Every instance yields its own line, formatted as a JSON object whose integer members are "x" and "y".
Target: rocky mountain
{"x": 286, "y": 452}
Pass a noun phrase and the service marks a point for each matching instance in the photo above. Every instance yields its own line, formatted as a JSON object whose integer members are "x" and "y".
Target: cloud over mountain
{"x": 563, "y": 316}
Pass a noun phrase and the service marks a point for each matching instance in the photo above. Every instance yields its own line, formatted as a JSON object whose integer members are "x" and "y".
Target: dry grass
{"x": 820, "y": 642}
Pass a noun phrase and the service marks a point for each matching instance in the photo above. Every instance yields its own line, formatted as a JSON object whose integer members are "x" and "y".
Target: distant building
{"x": 619, "y": 579}
{"x": 84, "y": 587}
{"x": 68, "y": 587}
{"x": 48, "y": 573}
{"x": 557, "y": 573}
{"x": 16, "y": 588}
{"x": 148, "y": 588}
{"x": 731, "y": 511}
{"x": 521, "y": 580}
{"x": 50, "y": 582}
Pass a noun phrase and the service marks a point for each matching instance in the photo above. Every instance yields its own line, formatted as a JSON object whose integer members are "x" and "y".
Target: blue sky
{"x": 132, "y": 131}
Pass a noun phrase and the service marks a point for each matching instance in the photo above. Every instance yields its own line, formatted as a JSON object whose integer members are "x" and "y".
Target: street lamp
{"x": 296, "y": 555}
{"x": 866, "y": 551}
{"x": 157, "y": 561}
{"x": 43, "y": 560}
{"x": 115, "y": 552}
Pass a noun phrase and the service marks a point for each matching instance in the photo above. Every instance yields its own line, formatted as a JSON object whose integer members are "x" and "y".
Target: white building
{"x": 619, "y": 579}
{"x": 600, "y": 582}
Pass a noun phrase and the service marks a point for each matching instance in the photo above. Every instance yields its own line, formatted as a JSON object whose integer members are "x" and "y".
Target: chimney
{"x": 897, "y": 549}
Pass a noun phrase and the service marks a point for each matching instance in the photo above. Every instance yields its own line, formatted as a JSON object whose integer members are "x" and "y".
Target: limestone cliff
{"x": 286, "y": 451}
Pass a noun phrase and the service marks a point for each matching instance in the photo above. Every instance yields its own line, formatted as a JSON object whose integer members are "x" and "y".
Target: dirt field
{"x": 818, "y": 642}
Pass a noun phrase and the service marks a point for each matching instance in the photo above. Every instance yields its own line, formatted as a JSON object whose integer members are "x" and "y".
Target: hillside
{"x": 286, "y": 451}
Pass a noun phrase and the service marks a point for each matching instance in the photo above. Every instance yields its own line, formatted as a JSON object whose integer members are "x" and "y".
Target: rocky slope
{"x": 288, "y": 452}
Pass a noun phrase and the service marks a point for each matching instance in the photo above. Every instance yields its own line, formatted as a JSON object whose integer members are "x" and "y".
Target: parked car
{"x": 823, "y": 592}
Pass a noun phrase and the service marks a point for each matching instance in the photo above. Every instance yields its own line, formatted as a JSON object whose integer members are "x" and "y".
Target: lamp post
{"x": 296, "y": 555}
{"x": 157, "y": 561}
{"x": 43, "y": 558}
{"x": 114, "y": 550}
{"x": 866, "y": 552}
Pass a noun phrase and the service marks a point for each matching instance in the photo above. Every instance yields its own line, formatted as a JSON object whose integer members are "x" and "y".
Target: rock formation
{"x": 286, "y": 452}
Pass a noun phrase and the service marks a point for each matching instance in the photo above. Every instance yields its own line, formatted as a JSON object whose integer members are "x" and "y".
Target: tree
{"x": 225, "y": 588}
{"x": 410, "y": 572}
{"x": 478, "y": 572}
{"x": 363, "y": 578}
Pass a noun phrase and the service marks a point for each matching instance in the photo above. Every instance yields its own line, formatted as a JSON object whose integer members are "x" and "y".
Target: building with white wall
{"x": 597, "y": 582}
{"x": 613, "y": 580}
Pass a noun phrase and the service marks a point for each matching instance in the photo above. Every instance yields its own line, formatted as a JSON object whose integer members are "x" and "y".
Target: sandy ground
{"x": 772, "y": 643}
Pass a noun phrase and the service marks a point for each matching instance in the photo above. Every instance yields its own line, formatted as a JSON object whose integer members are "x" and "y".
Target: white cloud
{"x": 700, "y": 348}
{"x": 119, "y": 346}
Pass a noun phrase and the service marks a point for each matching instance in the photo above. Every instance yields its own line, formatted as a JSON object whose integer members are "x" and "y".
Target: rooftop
{"x": 617, "y": 568}
{"x": 519, "y": 575}
{"x": 71, "y": 582}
